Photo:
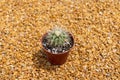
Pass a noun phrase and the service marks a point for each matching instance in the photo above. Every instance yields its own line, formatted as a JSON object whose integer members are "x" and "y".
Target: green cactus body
{"x": 58, "y": 38}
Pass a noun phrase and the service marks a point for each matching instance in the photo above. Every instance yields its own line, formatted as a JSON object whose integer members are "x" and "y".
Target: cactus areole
{"x": 56, "y": 44}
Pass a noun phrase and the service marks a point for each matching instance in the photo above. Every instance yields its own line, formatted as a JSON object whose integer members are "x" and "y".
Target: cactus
{"x": 58, "y": 39}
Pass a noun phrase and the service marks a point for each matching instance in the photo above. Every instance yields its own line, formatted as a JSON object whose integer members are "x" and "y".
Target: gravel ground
{"x": 95, "y": 25}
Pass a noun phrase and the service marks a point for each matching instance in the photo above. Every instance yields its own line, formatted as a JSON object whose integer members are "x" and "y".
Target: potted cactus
{"x": 57, "y": 43}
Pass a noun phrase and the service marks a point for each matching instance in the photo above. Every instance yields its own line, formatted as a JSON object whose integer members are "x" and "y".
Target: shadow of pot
{"x": 60, "y": 58}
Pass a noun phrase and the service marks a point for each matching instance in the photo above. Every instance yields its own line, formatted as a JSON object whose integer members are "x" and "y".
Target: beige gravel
{"x": 94, "y": 23}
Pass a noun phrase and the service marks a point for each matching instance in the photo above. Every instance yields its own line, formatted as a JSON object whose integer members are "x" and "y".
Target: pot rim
{"x": 57, "y": 53}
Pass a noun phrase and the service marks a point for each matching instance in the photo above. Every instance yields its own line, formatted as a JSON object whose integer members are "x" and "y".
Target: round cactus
{"x": 58, "y": 37}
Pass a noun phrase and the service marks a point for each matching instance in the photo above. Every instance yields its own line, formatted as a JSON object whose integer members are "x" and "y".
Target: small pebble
{"x": 109, "y": 41}
{"x": 0, "y": 43}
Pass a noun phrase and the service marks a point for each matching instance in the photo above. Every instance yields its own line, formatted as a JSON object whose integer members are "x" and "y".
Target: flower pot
{"x": 57, "y": 59}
